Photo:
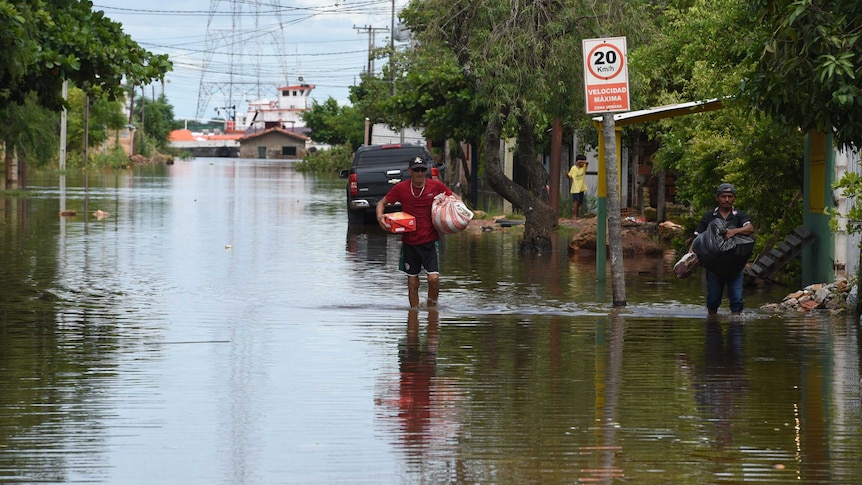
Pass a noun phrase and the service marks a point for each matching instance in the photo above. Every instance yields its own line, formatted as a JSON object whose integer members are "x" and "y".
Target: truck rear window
{"x": 392, "y": 156}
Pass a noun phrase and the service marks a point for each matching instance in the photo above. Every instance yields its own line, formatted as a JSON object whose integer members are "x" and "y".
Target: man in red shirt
{"x": 419, "y": 248}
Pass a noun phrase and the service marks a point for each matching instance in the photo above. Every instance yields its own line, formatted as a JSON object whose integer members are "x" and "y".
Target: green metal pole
{"x": 818, "y": 258}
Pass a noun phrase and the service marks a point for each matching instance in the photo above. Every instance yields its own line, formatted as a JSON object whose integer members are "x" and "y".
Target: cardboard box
{"x": 400, "y": 222}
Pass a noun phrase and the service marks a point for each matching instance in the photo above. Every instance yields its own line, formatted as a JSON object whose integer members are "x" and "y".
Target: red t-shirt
{"x": 417, "y": 203}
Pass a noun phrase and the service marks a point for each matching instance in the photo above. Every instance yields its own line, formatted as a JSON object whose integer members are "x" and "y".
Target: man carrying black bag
{"x": 721, "y": 253}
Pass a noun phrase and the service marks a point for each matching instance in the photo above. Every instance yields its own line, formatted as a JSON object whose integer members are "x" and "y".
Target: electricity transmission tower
{"x": 241, "y": 60}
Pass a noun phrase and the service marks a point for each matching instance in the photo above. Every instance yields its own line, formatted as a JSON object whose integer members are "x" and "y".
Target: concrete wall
{"x": 384, "y": 135}
{"x": 846, "y": 245}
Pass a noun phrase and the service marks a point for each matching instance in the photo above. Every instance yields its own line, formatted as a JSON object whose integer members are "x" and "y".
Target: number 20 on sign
{"x": 606, "y": 77}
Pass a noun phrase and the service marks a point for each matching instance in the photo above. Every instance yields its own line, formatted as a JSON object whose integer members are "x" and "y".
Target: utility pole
{"x": 63, "y": 127}
{"x": 370, "y": 31}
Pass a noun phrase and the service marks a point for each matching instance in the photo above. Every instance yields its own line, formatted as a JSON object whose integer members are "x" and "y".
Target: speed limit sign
{"x": 606, "y": 78}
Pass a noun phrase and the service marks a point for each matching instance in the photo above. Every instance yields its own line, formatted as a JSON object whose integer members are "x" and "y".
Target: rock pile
{"x": 821, "y": 296}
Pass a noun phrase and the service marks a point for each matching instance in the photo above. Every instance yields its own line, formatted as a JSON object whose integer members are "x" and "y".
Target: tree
{"x": 45, "y": 42}
{"x": 369, "y": 96}
{"x": 808, "y": 65}
{"x": 699, "y": 52}
{"x": 334, "y": 124}
{"x": 28, "y": 132}
{"x": 104, "y": 115}
{"x": 433, "y": 93}
{"x": 158, "y": 119}
{"x": 522, "y": 60}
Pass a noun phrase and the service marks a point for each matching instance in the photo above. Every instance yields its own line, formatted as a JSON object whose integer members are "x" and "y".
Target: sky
{"x": 227, "y": 52}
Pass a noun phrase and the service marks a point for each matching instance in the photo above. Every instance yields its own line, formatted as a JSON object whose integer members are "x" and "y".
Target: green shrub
{"x": 322, "y": 161}
{"x": 115, "y": 158}
{"x": 146, "y": 146}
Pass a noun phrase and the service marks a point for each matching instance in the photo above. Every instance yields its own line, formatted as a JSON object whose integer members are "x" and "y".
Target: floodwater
{"x": 223, "y": 326}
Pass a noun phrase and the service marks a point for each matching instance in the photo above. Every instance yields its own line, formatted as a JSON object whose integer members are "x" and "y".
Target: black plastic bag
{"x": 724, "y": 257}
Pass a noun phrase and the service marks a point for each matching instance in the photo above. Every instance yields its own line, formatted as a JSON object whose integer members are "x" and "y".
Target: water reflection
{"x": 604, "y": 455}
{"x": 138, "y": 349}
{"x": 421, "y": 411}
{"x": 418, "y": 368}
{"x": 719, "y": 381}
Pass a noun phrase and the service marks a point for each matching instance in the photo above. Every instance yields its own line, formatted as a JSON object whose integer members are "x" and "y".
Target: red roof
{"x": 275, "y": 129}
{"x": 181, "y": 135}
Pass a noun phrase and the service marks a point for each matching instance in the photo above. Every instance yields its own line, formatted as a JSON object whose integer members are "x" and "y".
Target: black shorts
{"x": 414, "y": 258}
{"x": 578, "y": 197}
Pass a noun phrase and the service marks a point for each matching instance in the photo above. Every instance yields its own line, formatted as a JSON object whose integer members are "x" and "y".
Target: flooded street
{"x": 223, "y": 326}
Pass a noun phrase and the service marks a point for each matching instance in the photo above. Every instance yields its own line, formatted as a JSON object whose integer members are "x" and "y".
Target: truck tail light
{"x": 435, "y": 173}
{"x": 353, "y": 184}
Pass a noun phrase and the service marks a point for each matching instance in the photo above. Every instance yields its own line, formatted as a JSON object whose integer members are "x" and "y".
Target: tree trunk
{"x": 661, "y": 203}
{"x": 537, "y": 176}
{"x": 11, "y": 168}
{"x": 541, "y": 219}
{"x": 447, "y": 162}
{"x": 22, "y": 168}
{"x": 556, "y": 161}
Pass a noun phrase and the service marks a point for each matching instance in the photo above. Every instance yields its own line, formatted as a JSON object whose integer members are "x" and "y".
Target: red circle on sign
{"x": 619, "y": 53}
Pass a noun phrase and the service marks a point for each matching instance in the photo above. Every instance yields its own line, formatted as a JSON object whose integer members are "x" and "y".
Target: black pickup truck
{"x": 375, "y": 169}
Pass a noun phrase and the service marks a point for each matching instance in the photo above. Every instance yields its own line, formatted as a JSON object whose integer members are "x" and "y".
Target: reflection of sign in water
{"x": 606, "y": 77}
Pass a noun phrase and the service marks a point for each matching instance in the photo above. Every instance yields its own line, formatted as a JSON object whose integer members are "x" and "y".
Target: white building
{"x": 284, "y": 112}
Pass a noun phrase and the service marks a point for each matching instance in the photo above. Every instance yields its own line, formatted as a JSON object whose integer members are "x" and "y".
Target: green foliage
{"x": 44, "y": 42}
{"x": 327, "y": 161}
{"x": 851, "y": 186}
{"x": 808, "y": 65}
{"x": 762, "y": 159}
{"x": 433, "y": 93}
{"x": 158, "y": 119}
{"x": 104, "y": 115}
{"x": 699, "y": 53}
{"x": 368, "y": 98}
{"x": 114, "y": 158}
{"x": 335, "y": 125}
{"x": 145, "y": 145}
{"x": 30, "y": 128}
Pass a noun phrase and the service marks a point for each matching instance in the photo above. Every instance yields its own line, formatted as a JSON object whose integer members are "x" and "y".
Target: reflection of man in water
{"x": 720, "y": 381}
{"x": 418, "y": 366}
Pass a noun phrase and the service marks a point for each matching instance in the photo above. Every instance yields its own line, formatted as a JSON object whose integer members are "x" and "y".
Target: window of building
{"x": 288, "y": 151}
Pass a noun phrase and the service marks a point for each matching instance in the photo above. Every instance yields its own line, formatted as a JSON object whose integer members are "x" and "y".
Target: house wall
{"x": 382, "y": 134}
{"x": 273, "y": 143}
{"x": 846, "y": 245}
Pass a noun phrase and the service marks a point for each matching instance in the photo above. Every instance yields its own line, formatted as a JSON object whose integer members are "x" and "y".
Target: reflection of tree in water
{"x": 720, "y": 381}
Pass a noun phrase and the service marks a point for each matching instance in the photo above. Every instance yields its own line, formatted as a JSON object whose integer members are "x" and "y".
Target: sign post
{"x": 606, "y": 84}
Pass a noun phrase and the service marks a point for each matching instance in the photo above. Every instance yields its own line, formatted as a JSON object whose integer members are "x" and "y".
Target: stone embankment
{"x": 831, "y": 297}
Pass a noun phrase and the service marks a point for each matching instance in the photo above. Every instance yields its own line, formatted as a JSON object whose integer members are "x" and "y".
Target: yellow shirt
{"x": 579, "y": 178}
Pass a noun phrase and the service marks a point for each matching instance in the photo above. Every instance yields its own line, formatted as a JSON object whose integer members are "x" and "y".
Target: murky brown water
{"x": 222, "y": 325}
